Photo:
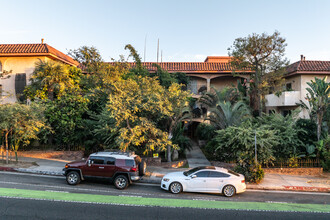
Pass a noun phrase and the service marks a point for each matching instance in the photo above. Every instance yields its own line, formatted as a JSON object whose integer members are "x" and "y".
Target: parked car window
{"x": 120, "y": 162}
{"x": 202, "y": 174}
{"x": 130, "y": 163}
{"x": 97, "y": 160}
{"x": 218, "y": 174}
{"x": 232, "y": 172}
{"x": 110, "y": 161}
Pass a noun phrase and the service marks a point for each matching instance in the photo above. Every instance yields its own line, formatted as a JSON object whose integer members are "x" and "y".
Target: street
{"x": 51, "y": 207}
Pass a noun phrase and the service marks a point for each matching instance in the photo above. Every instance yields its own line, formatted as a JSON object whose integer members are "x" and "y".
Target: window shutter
{"x": 20, "y": 83}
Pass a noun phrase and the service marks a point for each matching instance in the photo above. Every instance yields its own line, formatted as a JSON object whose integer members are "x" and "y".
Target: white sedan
{"x": 206, "y": 179}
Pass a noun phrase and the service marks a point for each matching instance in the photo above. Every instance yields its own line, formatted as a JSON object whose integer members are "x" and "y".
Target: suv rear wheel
{"x": 121, "y": 182}
{"x": 73, "y": 178}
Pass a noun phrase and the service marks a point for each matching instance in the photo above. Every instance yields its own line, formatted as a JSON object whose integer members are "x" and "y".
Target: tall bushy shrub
{"x": 286, "y": 132}
{"x": 238, "y": 143}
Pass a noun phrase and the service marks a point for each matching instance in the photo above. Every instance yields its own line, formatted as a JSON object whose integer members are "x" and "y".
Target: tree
{"x": 264, "y": 54}
{"x": 132, "y": 105}
{"x": 224, "y": 109}
{"x": 66, "y": 117}
{"x": 89, "y": 58}
{"x": 20, "y": 123}
{"x": 318, "y": 97}
{"x": 178, "y": 110}
{"x": 50, "y": 79}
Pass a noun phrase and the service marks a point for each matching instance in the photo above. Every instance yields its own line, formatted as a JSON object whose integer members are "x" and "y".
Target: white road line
{"x": 31, "y": 174}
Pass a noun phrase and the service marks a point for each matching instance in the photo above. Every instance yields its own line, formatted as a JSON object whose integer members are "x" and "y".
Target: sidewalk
{"x": 195, "y": 156}
{"x": 154, "y": 175}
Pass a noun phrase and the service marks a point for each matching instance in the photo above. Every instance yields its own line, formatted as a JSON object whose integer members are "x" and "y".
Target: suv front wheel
{"x": 73, "y": 178}
{"x": 121, "y": 182}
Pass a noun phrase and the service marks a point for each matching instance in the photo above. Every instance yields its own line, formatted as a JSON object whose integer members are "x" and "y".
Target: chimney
{"x": 42, "y": 40}
{"x": 301, "y": 57}
{"x": 304, "y": 58}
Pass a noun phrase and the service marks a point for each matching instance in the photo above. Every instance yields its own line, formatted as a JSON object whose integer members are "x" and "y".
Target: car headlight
{"x": 166, "y": 179}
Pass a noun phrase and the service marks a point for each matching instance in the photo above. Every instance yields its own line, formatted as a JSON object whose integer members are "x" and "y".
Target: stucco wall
{"x": 16, "y": 65}
{"x": 222, "y": 82}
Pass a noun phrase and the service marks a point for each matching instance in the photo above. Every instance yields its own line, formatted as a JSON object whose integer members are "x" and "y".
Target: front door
{"x": 95, "y": 167}
{"x": 198, "y": 183}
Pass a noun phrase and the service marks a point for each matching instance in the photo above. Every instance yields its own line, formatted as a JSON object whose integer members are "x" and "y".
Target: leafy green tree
{"x": 264, "y": 54}
{"x": 131, "y": 105}
{"x": 20, "y": 123}
{"x": 89, "y": 58}
{"x": 66, "y": 117}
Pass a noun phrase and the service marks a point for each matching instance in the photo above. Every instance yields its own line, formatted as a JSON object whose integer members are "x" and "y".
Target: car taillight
{"x": 243, "y": 181}
{"x": 66, "y": 166}
{"x": 133, "y": 169}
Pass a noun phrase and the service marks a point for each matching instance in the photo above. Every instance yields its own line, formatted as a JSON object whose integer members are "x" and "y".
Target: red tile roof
{"x": 192, "y": 67}
{"x": 309, "y": 66}
{"x": 35, "y": 50}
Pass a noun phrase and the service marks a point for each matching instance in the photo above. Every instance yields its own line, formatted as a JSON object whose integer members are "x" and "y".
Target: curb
{"x": 290, "y": 188}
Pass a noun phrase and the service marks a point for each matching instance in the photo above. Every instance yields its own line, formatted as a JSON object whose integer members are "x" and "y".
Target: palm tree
{"x": 52, "y": 76}
{"x": 318, "y": 97}
{"x": 223, "y": 109}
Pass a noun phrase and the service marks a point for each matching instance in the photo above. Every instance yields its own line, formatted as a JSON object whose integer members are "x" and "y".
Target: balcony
{"x": 289, "y": 98}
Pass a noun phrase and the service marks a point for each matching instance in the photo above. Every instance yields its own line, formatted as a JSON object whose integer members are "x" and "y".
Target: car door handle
{"x": 101, "y": 167}
{"x": 220, "y": 181}
{"x": 204, "y": 181}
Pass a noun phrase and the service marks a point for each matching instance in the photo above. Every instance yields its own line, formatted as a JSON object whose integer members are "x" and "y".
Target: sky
{"x": 188, "y": 30}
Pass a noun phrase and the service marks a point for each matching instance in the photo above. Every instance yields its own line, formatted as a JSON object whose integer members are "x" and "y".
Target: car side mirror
{"x": 193, "y": 176}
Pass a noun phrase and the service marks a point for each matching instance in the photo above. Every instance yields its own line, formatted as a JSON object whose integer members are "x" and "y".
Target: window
{"x": 20, "y": 83}
{"x": 286, "y": 112}
{"x": 289, "y": 87}
{"x": 0, "y": 67}
{"x": 271, "y": 111}
{"x": 0, "y": 91}
{"x": 218, "y": 174}
{"x": 97, "y": 160}
{"x": 203, "y": 174}
{"x": 130, "y": 163}
{"x": 110, "y": 161}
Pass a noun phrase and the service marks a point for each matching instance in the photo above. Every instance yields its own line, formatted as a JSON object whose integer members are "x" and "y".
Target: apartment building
{"x": 296, "y": 78}
{"x": 19, "y": 60}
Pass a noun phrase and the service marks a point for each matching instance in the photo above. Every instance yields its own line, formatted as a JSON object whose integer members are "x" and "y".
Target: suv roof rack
{"x": 118, "y": 152}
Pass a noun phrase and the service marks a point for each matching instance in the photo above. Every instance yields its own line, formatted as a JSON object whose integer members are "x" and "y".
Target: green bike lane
{"x": 159, "y": 202}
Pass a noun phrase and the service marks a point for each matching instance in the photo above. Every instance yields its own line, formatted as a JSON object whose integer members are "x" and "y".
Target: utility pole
{"x": 161, "y": 56}
{"x": 255, "y": 146}
{"x": 157, "y": 50}
{"x": 145, "y": 49}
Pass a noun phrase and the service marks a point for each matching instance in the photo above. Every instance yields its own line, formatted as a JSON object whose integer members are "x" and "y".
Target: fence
{"x": 295, "y": 163}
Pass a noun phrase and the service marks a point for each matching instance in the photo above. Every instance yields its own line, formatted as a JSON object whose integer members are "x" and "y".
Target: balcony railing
{"x": 289, "y": 98}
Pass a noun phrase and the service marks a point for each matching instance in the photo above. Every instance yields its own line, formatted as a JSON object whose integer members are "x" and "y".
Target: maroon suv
{"x": 121, "y": 168}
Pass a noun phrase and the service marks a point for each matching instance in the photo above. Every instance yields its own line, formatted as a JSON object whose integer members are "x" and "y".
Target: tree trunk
{"x": 319, "y": 125}
{"x": 169, "y": 154}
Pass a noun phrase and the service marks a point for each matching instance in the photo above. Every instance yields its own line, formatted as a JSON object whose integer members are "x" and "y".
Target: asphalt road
{"x": 28, "y": 196}
{"x": 55, "y": 183}
{"x": 33, "y": 209}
